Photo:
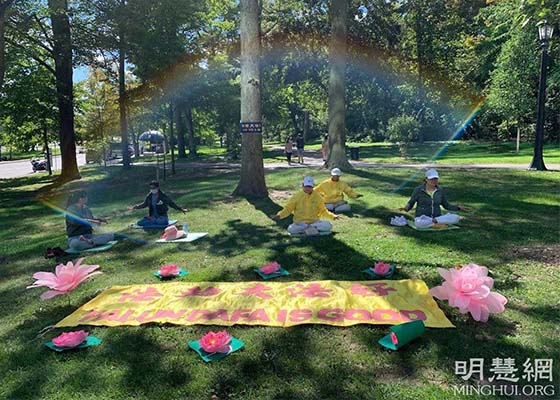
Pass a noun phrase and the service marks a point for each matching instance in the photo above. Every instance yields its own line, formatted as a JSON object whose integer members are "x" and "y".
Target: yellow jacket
{"x": 333, "y": 192}
{"x": 306, "y": 208}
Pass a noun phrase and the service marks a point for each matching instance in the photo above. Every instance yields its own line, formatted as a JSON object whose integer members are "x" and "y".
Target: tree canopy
{"x": 413, "y": 64}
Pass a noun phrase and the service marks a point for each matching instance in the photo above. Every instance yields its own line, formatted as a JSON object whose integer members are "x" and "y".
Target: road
{"x": 19, "y": 168}
{"x": 14, "y": 169}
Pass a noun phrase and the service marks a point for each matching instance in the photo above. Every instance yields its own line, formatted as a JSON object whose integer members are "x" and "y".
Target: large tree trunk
{"x": 306, "y": 126}
{"x": 63, "y": 72}
{"x": 251, "y": 182}
{"x": 294, "y": 118}
{"x": 181, "y": 129}
{"x": 4, "y": 5}
{"x": 171, "y": 138}
{"x": 190, "y": 131}
{"x": 122, "y": 104}
{"x": 337, "y": 87}
{"x": 419, "y": 38}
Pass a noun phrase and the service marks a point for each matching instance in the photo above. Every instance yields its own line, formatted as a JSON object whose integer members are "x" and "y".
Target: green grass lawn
{"x": 458, "y": 152}
{"x": 513, "y": 229}
{"x": 17, "y": 155}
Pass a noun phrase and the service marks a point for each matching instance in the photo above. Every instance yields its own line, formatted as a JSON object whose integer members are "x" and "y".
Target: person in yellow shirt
{"x": 333, "y": 191}
{"x": 309, "y": 211}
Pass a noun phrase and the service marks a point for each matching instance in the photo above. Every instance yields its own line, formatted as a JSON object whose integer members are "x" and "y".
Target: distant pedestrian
{"x": 325, "y": 150}
{"x": 288, "y": 148}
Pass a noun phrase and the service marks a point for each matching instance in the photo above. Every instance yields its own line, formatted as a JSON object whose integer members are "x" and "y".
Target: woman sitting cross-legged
{"x": 158, "y": 203}
{"x": 79, "y": 221}
{"x": 429, "y": 198}
{"x": 309, "y": 211}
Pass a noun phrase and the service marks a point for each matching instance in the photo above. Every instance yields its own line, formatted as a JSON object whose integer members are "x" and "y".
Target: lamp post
{"x": 545, "y": 34}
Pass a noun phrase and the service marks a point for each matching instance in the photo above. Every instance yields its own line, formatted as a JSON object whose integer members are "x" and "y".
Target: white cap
{"x": 431, "y": 174}
{"x": 308, "y": 181}
{"x": 336, "y": 172}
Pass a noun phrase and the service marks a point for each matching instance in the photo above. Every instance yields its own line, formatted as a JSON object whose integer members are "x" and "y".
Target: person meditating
{"x": 333, "y": 191}
{"x": 429, "y": 198}
{"x": 79, "y": 221}
{"x": 158, "y": 203}
{"x": 309, "y": 211}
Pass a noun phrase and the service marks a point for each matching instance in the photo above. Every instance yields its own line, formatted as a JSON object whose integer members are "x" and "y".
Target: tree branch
{"x": 32, "y": 55}
{"x": 42, "y": 27}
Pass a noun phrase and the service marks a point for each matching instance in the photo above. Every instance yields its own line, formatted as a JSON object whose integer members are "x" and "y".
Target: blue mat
{"x": 171, "y": 222}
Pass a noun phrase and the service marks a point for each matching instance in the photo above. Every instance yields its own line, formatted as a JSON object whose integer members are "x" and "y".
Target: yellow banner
{"x": 340, "y": 303}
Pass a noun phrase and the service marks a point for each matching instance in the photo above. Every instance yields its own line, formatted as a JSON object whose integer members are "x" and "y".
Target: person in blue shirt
{"x": 158, "y": 203}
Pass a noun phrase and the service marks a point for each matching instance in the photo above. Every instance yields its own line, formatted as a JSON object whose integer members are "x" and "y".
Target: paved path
{"x": 13, "y": 169}
{"x": 19, "y": 168}
{"x": 313, "y": 159}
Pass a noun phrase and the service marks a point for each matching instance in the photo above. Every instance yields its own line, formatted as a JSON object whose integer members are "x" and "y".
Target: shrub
{"x": 403, "y": 130}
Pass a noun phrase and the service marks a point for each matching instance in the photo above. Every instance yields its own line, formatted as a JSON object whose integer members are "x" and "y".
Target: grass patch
{"x": 514, "y": 230}
{"x": 458, "y": 152}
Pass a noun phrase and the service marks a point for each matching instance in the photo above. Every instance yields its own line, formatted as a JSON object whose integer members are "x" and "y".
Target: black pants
{"x": 289, "y": 157}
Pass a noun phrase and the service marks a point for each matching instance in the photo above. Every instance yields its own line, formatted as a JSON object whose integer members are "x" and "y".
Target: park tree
{"x": 337, "y": 86}
{"x": 513, "y": 81}
{"x": 102, "y": 30}
{"x": 164, "y": 53}
{"x": 251, "y": 182}
{"x": 4, "y": 6}
{"x": 48, "y": 42}
{"x": 295, "y": 68}
{"x": 62, "y": 51}
{"x": 28, "y": 108}
{"x": 98, "y": 118}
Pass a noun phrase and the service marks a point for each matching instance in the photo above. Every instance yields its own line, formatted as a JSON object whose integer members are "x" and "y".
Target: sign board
{"x": 251, "y": 127}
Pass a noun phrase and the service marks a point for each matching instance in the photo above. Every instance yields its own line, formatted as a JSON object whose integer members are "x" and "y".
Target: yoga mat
{"x": 95, "y": 249}
{"x": 191, "y": 237}
{"x": 413, "y": 226}
{"x": 171, "y": 222}
{"x": 303, "y": 235}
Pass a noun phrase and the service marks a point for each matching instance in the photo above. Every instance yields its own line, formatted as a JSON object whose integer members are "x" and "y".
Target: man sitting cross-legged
{"x": 309, "y": 211}
{"x": 333, "y": 191}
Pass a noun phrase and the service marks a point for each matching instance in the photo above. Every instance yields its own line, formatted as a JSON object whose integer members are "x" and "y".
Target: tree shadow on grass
{"x": 484, "y": 232}
{"x": 289, "y": 365}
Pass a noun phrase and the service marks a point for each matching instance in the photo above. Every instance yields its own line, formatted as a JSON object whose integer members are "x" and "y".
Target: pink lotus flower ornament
{"x": 65, "y": 278}
{"x": 271, "y": 268}
{"x": 169, "y": 270}
{"x": 469, "y": 289}
{"x": 216, "y": 342}
{"x": 394, "y": 339}
{"x": 381, "y": 268}
{"x": 70, "y": 339}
